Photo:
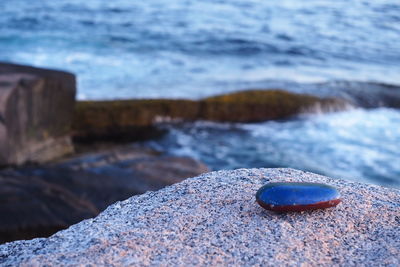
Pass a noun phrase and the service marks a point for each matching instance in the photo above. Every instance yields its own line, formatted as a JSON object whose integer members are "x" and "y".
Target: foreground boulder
{"x": 39, "y": 201}
{"x": 213, "y": 220}
{"x": 134, "y": 119}
{"x": 36, "y": 107}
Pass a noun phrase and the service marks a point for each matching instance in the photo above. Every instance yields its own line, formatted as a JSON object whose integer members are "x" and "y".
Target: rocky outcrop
{"x": 95, "y": 120}
{"x": 32, "y": 207}
{"x": 214, "y": 220}
{"x": 36, "y": 107}
{"x": 39, "y": 201}
{"x": 361, "y": 94}
{"x": 262, "y": 105}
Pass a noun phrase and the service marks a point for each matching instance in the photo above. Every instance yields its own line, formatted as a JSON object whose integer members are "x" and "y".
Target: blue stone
{"x": 289, "y": 196}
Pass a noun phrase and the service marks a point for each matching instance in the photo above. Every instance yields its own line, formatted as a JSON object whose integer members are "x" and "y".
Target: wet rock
{"x": 123, "y": 171}
{"x": 262, "y": 105}
{"x": 371, "y": 95}
{"x": 31, "y": 207}
{"x": 213, "y": 220}
{"x": 128, "y": 120}
{"x": 133, "y": 118}
{"x": 355, "y": 93}
{"x": 38, "y": 201}
{"x": 359, "y": 94}
{"x": 36, "y": 107}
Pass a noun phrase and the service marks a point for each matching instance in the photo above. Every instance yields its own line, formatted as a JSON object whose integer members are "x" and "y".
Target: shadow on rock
{"x": 40, "y": 201}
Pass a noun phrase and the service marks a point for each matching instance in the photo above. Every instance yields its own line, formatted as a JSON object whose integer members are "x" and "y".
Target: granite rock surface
{"x": 213, "y": 220}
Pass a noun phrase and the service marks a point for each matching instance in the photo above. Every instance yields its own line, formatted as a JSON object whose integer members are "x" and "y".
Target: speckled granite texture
{"x": 214, "y": 220}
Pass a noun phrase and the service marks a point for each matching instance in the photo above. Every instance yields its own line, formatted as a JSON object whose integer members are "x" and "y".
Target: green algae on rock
{"x": 262, "y": 105}
{"x": 97, "y": 119}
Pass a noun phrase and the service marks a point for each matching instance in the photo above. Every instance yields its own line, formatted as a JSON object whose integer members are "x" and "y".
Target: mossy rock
{"x": 127, "y": 118}
{"x": 257, "y": 105}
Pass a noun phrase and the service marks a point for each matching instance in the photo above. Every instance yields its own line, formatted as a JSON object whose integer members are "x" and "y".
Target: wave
{"x": 356, "y": 144}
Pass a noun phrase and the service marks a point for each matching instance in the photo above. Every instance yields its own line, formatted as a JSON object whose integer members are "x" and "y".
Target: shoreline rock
{"x": 102, "y": 120}
{"x": 38, "y": 201}
{"x": 213, "y": 220}
{"x": 36, "y": 107}
{"x": 33, "y": 207}
{"x": 37, "y": 110}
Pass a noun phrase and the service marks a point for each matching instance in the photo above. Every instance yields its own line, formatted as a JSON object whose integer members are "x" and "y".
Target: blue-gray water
{"x": 192, "y": 49}
{"x": 356, "y": 145}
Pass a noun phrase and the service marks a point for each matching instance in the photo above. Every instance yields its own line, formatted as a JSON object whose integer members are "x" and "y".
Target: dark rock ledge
{"x": 213, "y": 220}
{"x": 37, "y": 201}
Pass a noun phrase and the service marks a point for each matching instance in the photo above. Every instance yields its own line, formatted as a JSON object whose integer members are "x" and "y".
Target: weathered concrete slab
{"x": 213, "y": 220}
{"x": 36, "y": 108}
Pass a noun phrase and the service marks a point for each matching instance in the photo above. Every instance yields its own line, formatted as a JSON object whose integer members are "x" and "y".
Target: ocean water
{"x": 193, "y": 49}
{"x": 354, "y": 144}
{"x": 189, "y": 48}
